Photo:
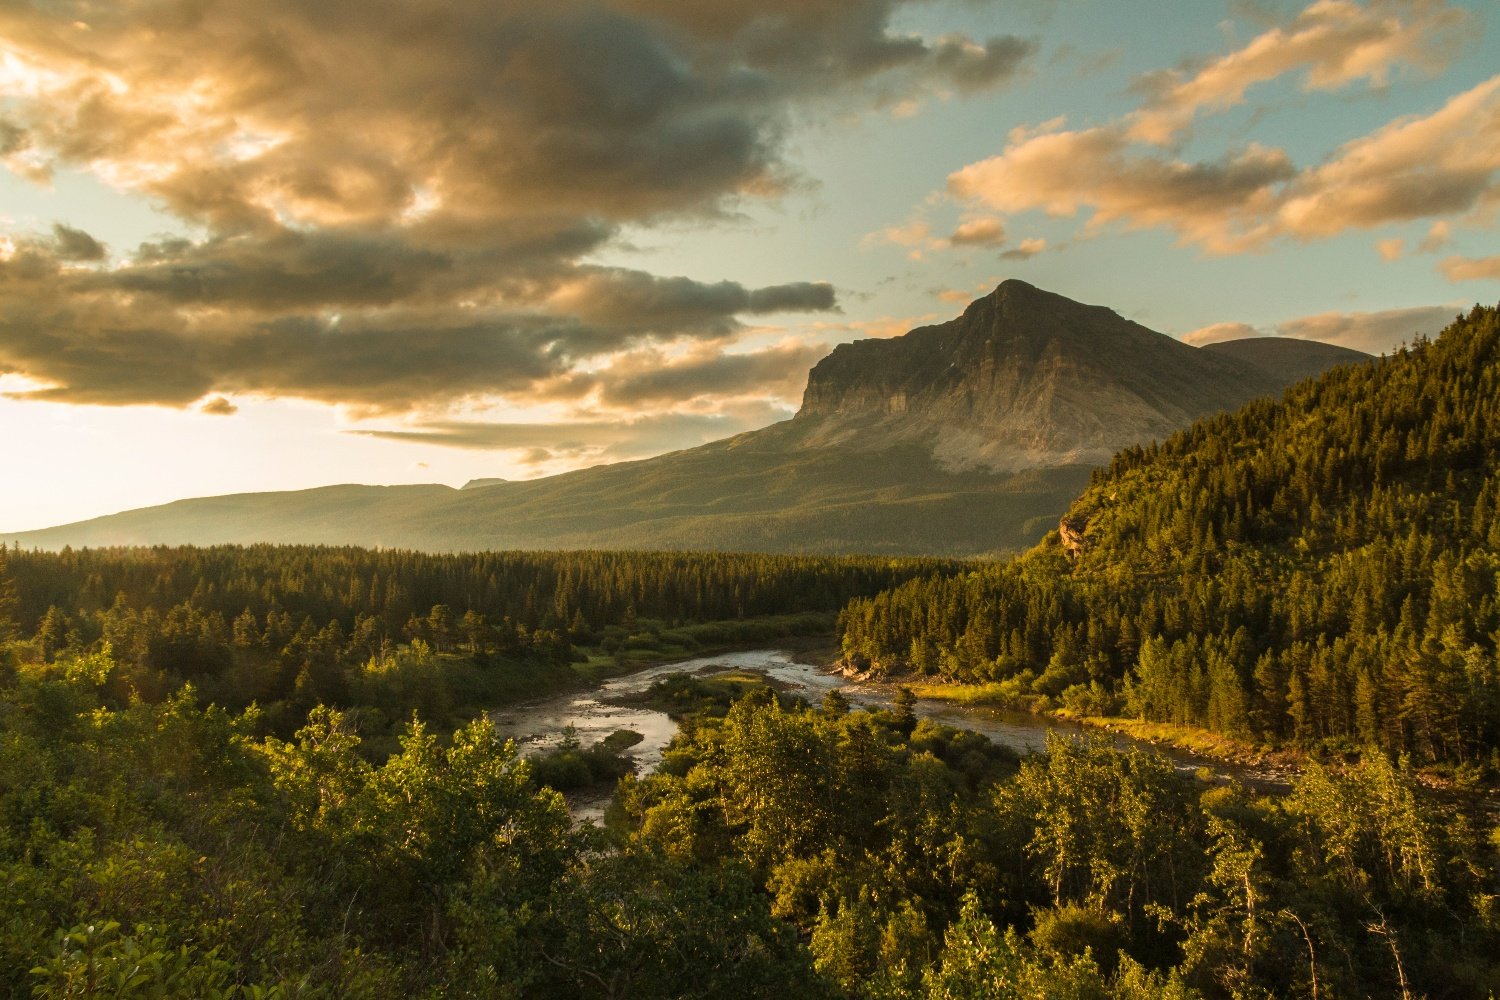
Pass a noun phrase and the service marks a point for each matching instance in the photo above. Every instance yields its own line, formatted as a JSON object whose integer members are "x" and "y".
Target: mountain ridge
{"x": 961, "y": 438}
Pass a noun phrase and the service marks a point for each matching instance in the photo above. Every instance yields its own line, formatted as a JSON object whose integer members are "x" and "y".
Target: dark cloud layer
{"x": 393, "y": 198}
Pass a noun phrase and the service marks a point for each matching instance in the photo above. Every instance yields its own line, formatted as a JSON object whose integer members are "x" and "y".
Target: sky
{"x": 276, "y": 244}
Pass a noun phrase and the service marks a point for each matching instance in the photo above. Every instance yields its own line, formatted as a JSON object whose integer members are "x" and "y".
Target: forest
{"x": 1321, "y": 571}
{"x": 385, "y": 633}
{"x": 175, "y": 849}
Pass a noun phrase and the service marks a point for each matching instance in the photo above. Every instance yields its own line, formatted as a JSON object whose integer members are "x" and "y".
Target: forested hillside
{"x": 1320, "y": 569}
{"x": 283, "y": 802}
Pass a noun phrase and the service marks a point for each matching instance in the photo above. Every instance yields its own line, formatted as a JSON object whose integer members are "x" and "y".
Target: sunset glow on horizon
{"x": 282, "y": 244}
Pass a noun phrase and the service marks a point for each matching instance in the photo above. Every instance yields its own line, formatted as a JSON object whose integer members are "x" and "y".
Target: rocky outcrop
{"x": 1070, "y": 531}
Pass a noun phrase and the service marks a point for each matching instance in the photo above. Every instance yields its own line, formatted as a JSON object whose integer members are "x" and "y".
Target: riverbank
{"x": 1273, "y": 766}
{"x": 1266, "y": 765}
{"x": 657, "y": 645}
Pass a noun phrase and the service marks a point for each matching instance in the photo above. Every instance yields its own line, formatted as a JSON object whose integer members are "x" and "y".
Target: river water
{"x": 543, "y": 725}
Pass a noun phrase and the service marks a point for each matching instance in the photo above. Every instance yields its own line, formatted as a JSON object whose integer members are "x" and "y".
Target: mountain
{"x": 1024, "y": 378}
{"x": 967, "y": 437}
{"x": 1286, "y": 359}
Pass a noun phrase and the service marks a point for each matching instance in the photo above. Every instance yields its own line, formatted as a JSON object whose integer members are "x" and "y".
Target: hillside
{"x": 1316, "y": 570}
{"x": 728, "y": 496}
{"x": 1286, "y": 359}
{"x": 965, "y": 438}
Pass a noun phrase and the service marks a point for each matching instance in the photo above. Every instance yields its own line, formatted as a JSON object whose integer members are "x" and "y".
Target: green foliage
{"x": 638, "y": 924}
{"x": 1317, "y": 571}
{"x": 571, "y": 767}
{"x": 1143, "y": 857}
{"x": 385, "y": 634}
{"x": 9, "y": 600}
{"x": 979, "y": 962}
{"x": 170, "y": 850}
{"x": 100, "y": 961}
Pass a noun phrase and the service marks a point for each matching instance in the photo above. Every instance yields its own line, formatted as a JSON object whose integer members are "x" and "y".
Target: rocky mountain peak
{"x": 1023, "y": 378}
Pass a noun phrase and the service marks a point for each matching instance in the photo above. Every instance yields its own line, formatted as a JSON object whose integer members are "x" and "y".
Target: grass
{"x": 1190, "y": 738}
{"x": 966, "y": 694}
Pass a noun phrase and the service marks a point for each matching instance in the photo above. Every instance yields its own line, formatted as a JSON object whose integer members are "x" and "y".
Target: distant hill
{"x": 969, "y": 437}
{"x": 1285, "y": 359}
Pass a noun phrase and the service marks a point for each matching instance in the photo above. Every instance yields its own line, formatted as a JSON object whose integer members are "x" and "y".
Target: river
{"x": 542, "y": 725}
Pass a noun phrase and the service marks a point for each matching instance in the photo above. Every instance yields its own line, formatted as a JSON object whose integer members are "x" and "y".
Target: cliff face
{"x": 1024, "y": 378}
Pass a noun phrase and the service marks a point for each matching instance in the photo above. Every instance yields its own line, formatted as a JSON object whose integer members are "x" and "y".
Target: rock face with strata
{"x": 1024, "y": 378}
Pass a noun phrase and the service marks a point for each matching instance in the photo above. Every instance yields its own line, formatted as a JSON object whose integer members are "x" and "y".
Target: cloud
{"x": 76, "y": 245}
{"x": 647, "y": 378}
{"x": 393, "y": 201}
{"x": 983, "y": 232}
{"x": 1371, "y": 332}
{"x": 1026, "y": 249}
{"x": 883, "y": 327}
{"x": 1335, "y": 42}
{"x": 1061, "y": 172}
{"x": 1456, "y": 268}
{"x": 1444, "y": 165}
{"x": 1439, "y": 235}
{"x": 219, "y": 406}
{"x": 916, "y": 233}
{"x": 645, "y": 303}
{"x": 971, "y": 67}
{"x": 582, "y": 441}
{"x": 694, "y": 396}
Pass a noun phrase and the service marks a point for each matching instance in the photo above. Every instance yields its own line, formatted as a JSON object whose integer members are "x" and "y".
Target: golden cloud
{"x": 1444, "y": 164}
{"x": 1335, "y": 42}
{"x": 393, "y": 199}
{"x": 1458, "y": 268}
